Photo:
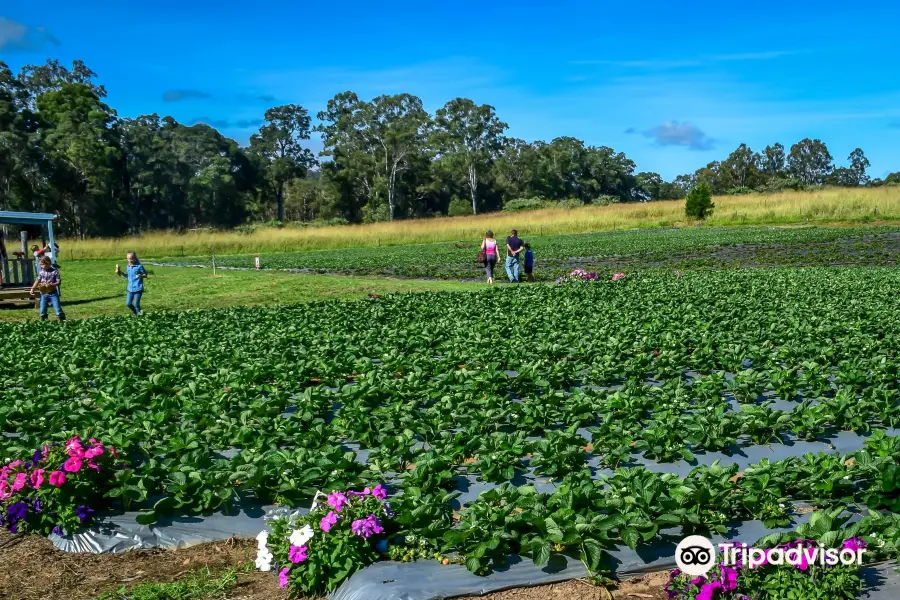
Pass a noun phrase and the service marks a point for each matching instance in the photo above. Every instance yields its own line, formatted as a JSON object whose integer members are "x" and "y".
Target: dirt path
{"x": 31, "y": 568}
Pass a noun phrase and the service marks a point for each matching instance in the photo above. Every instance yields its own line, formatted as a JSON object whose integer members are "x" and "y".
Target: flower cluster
{"x": 740, "y": 582}
{"x": 52, "y": 491}
{"x": 317, "y": 551}
{"x": 582, "y": 275}
{"x": 579, "y": 275}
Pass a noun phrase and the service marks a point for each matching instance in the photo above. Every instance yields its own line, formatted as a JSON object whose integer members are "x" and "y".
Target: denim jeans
{"x": 133, "y": 301}
{"x": 53, "y": 300}
{"x": 512, "y": 268}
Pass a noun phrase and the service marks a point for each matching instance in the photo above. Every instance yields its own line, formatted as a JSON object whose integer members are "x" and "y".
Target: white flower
{"x": 262, "y": 538}
{"x": 264, "y": 560}
{"x": 781, "y": 506}
{"x": 299, "y": 537}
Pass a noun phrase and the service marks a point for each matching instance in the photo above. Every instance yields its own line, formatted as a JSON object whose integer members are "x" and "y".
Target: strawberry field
{"x": 559, "y": 254}
{"x": 587, "y": 413}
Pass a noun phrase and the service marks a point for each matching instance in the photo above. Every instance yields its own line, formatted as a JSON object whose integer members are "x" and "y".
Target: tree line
{"x": 64, "y": 150}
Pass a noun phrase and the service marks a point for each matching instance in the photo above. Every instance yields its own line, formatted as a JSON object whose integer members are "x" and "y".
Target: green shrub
{"x": 699, "y": 204}
{"x": 606, "y": 200}
{"x": 740, "y": 191}
{"x": 459, "y": 208}
{"x": 780, "y": 184}
{"x": 520, "y": 204}
{"x": 380, "y": 213}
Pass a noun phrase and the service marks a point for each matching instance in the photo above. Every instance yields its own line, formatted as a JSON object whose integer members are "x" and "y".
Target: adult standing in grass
{"x": 513, "y": 247}
{"x": 489, "y": 247}
{"x": 135, "y": 273}
{"x": 48, "y": 281}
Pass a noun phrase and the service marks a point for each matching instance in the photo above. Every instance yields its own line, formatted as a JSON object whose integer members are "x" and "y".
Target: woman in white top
{"x": 489, "y": 247}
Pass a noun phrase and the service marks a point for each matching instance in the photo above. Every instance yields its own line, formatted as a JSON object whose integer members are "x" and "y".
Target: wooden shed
{"x": 17, "y": 266}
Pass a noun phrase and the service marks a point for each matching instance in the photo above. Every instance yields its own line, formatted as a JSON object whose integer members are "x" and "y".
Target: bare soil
{"x": 31, "y": 568}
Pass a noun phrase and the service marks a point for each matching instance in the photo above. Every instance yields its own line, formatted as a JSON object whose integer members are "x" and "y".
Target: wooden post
{"x": 23, "y": 238}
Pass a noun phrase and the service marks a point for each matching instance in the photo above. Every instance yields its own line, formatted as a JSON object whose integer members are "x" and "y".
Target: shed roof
{"x": 25, "y": 218}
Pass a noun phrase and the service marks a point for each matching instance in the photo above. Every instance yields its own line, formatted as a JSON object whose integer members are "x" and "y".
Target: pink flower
{"x": 46, "y": 452}
{"x": 283, "y": 578}
{"x": 328, "y": 521}
{"x": 94, "y": 466}
{"x": 729, "y": 578}
{"x": 15, "y": 463}
{"x": 297, "y": 554}
{"x": 57, "y": 478}
{"x": 618, "y": 276}
{"x": 20, "y": 481}
{"x": 379, "y": 492}
{"x": 337, "y": 501}
{"x": 855, "y": 544}
{"x": 93, "y": 452}
{"x": 366, "y": 527}
{"x": 708, "y": 591}
{"x": 4, "y": 473}
{"x": 73, "y": 465}
{"x": 94, "y": 443}
{"x": 112, "y": 451}
{"x": 37, "y": 478}
{"x": 5, "y": 492}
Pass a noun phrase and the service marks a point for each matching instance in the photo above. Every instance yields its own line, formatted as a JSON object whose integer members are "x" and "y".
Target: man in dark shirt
{"x": 513, "y": 247}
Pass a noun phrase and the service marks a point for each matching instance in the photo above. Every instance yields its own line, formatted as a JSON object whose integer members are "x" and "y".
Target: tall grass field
{"x": 831, "y": 206}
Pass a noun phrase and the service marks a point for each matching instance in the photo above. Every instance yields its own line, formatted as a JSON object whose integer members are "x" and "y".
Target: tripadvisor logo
{"x": 695, "y": 555}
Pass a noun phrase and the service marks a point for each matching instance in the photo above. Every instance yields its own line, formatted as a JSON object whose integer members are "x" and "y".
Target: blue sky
{"x": 673, "y": 85}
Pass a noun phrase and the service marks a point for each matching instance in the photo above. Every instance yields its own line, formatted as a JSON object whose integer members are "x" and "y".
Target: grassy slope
{"x": 827, "y": 206}
{"x": 91, "y": 289}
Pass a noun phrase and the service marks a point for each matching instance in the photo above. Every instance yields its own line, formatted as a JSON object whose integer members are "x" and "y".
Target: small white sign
{"x": 257, "y": 263}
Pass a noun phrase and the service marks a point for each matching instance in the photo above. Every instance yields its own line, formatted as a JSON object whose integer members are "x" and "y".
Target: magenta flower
{"x": 5, "y": 492}
{"x": 37, "y": 478}
{"x": 73, "y": 465}
{"x": 57, "y": 478}
{"x": 855, "y": 544}
{"x": 19, "y": 482}
{"x": 729, "y": 578}
{"x": 297, "y": 554}
{"x": 337, "y": 501}
{"x": 283, "y": 578}
{"x": 328, "y": 521}
{"x": 93, "y": 452}
{"x": 15, "y": 463}
{"x": 708, "y": 591}
{"x": 366, "y": 527}
{"x": 379, "y": 492}
{"x": 365, "y": 492}
{"x": 698, "y": 580}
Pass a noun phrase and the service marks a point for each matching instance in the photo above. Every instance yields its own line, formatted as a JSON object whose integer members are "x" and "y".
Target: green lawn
{"x": 90, "y": 288}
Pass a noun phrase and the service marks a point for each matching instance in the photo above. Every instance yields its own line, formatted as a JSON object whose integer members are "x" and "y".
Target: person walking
{"x": 529, "y": 262}
{"x": 135, "y": 273}
{"x": 489, "y": 247}
{"x": 513, "y": 247}
{"x": 48, "y": 281}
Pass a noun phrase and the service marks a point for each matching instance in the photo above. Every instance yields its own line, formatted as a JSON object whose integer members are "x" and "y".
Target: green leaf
{"x": 540, "y": 553}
